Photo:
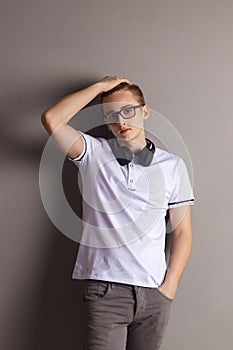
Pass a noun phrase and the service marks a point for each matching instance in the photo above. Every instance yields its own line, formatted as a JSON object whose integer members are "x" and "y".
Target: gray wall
{"x": 181, "y": 54}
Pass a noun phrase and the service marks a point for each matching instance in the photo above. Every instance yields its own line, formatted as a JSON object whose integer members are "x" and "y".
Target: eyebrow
{"x": 129, "y": 105}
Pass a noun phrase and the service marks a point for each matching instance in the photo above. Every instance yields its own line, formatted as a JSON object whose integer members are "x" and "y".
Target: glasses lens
{"x": 112, "y": 118}
{"x": 125, "y": 113}
{"x": 128, "y": 112}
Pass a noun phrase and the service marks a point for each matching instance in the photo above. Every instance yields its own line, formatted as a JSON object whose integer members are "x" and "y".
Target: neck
{"x": 135, "y": 145}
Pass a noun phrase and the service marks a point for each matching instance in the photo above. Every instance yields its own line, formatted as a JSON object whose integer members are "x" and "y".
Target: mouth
{"x": 123, "y": 131}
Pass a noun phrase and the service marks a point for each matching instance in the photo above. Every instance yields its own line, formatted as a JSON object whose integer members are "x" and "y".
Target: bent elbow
{"x": 45, "y": 117}
{"x": 46, "y": 120}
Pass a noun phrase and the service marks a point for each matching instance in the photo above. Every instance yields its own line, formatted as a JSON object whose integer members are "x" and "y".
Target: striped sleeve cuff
{"x": 180, "y": 203}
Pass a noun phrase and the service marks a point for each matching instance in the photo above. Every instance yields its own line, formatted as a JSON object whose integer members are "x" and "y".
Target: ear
{"x": 146, "y": 111}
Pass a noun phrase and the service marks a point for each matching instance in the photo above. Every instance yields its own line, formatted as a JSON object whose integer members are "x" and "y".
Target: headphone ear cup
{"x": 145, "y": 157}
{"x": 122, "y": 153}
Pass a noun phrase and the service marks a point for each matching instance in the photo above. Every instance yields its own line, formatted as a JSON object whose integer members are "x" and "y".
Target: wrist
{"x": 169, "y": 289}
{"x": 172, "y": 278}
{"x": 99, "y": 88}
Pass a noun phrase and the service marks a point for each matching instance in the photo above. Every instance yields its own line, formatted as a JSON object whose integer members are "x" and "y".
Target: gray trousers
{"x": 118, "y": 316}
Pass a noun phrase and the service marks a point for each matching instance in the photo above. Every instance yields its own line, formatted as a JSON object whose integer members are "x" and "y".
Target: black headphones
{"x": 124, "y": 155}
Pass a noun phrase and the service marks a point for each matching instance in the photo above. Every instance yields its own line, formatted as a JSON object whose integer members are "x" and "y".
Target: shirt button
{"x": 131, "y": 180}
{"x": 131, "y": 165}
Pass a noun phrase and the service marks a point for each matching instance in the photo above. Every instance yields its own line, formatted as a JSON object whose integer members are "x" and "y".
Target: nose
{"x": 121, "y": 120}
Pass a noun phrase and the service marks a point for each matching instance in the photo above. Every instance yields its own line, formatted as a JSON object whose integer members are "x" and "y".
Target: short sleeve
{"x": 182, "y": 193}
{"x": 90, "y": 143}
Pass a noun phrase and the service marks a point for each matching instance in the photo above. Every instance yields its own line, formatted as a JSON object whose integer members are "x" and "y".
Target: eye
{"x": 127, "y": 111}
{"x": 112, "y": 117}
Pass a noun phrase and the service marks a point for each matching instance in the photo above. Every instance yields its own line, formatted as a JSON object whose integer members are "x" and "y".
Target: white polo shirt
{"x": 124, "y": 209}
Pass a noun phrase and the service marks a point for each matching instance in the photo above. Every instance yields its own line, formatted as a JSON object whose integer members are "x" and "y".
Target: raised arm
{"x": 56, "y": 117}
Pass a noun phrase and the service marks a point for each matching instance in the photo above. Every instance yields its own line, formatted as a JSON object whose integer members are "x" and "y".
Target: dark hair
{"x": 135, "y": 89}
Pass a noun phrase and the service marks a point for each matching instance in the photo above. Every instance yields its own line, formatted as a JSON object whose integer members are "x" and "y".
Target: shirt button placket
{"x": 131, "y": 184}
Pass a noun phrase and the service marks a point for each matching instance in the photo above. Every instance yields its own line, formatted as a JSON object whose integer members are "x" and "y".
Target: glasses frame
{"x": 115, "y": 114}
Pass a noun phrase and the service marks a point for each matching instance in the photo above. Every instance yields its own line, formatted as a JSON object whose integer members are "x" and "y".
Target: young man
{"x": 129, "y": 185}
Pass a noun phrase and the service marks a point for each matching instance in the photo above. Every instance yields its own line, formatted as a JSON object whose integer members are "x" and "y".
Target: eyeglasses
{"x": 126, "y": 113}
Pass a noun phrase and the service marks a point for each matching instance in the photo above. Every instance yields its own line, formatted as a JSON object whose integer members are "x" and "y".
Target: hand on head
{"x": 110, "y": 81}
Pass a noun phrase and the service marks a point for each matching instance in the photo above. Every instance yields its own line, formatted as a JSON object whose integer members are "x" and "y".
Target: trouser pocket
{"x": 95, "y": 290}
{"x": 163, "y": 295}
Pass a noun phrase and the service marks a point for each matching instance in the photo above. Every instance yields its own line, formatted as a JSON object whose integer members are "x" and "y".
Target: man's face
{"x": 125, "y": 128}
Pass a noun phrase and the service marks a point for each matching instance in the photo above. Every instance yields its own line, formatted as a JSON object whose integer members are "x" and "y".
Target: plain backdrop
{"x": 180, "y": 52}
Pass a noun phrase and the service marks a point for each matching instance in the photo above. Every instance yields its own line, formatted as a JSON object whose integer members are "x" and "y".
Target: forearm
{"x": 180, "y": 249}
{"x": 70, "y": 105}
{"x": 179, "y": 255}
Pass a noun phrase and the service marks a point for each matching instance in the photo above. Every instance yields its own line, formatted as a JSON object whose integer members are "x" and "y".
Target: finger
{"x": 125, "y": 79}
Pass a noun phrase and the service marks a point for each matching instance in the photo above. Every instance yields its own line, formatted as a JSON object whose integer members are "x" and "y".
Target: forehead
{"x": 118, "y": 99}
